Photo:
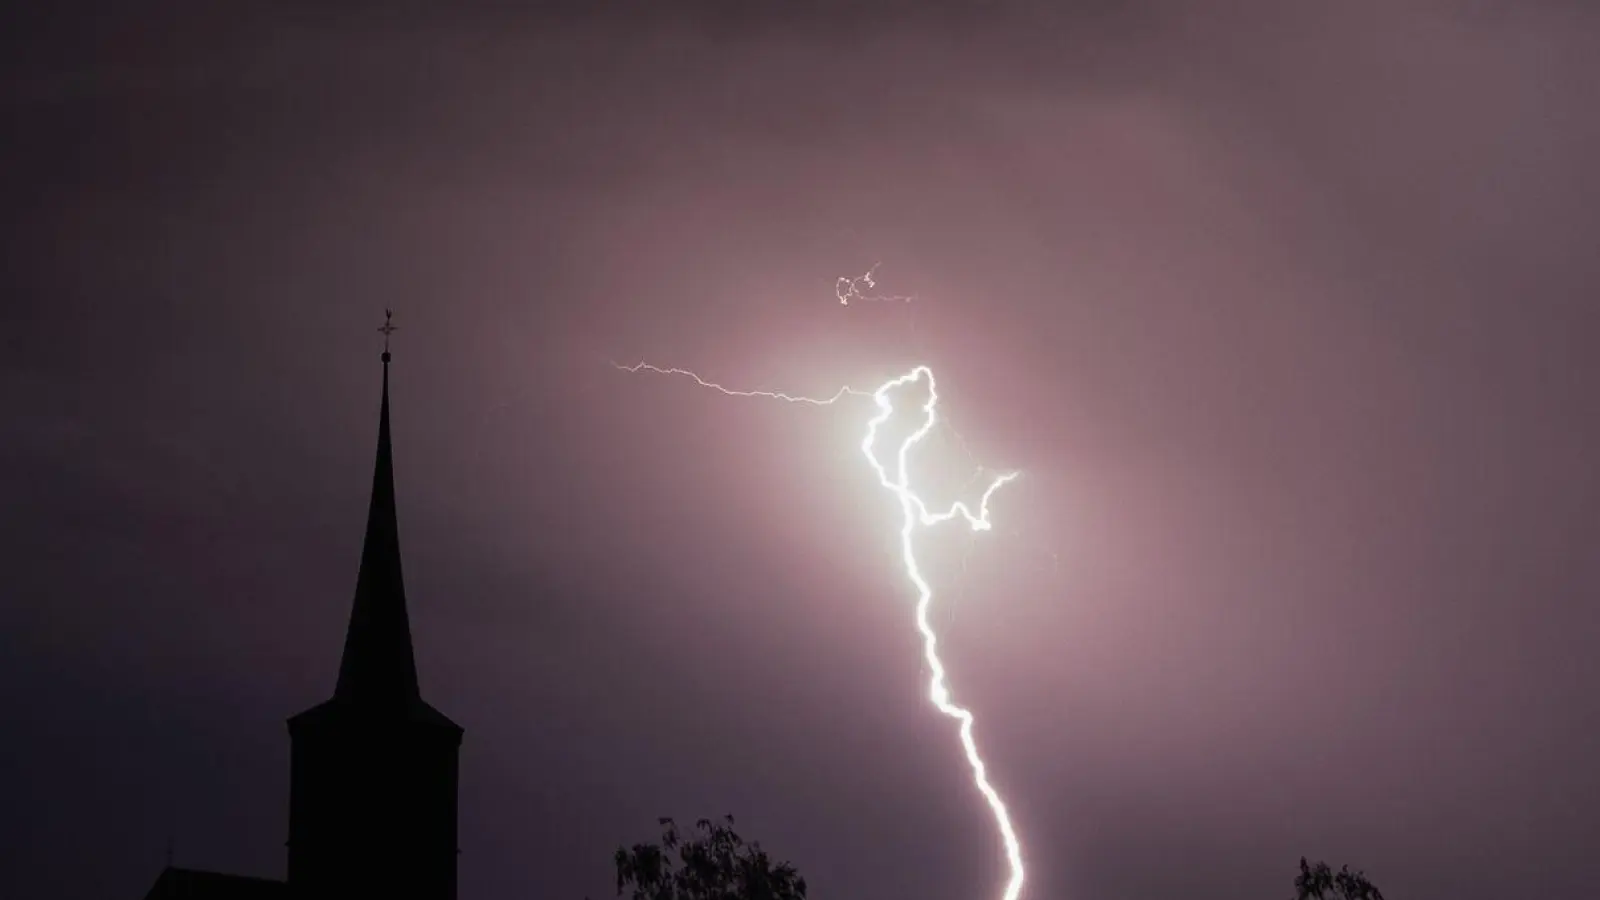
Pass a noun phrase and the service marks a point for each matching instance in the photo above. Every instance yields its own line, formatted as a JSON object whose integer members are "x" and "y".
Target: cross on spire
{"x": 387, "y": 329}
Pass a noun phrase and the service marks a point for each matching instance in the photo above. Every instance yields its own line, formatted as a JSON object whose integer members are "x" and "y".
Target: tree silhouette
{"x": 1319, "y": 882}
{"x": 712, "y": 864}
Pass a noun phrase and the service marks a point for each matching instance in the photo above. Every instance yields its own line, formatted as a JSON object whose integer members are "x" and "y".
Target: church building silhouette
{"x": 373, "y": 770}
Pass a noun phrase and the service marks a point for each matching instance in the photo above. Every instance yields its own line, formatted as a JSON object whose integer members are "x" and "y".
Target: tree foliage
{"x": 712, "y": 863}
{"x": 1318, "y": 882}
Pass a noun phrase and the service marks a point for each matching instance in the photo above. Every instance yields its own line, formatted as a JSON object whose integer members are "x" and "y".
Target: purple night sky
{"x": 1286, "y": 310}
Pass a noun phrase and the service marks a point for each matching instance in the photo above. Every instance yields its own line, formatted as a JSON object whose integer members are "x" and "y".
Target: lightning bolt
{"x": 915, "y": 514}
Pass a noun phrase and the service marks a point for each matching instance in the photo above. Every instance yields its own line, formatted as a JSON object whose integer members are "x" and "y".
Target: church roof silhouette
{"x": 191, "y": 884}
{"x": 373, "y": 772}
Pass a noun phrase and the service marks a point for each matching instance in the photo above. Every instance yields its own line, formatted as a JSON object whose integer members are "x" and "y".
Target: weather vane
{"x": 388, "y": 328}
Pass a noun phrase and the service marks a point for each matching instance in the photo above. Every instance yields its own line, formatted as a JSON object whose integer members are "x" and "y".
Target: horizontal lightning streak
{"x": 915, "y": 513}
{"x": 770, "y": 395}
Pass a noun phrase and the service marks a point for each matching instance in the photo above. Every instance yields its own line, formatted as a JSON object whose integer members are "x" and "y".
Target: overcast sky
{"x": 1285, "y": 310}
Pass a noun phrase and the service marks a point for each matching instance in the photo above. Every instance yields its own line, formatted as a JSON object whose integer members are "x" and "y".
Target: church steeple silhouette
{"x": 373, "y": 771}
{"x": 378, "y": 667}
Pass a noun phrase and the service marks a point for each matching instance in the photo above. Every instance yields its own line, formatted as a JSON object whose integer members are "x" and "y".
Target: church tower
{"x": 372, "y": 793}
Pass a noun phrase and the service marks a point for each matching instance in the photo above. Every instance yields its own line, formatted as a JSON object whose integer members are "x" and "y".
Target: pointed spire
{"x": 379, "y": 666}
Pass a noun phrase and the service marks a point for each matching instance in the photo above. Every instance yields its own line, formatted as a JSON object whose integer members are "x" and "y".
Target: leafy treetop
{"x": 713, "y": 863}
{"x": 1319, "y": 882}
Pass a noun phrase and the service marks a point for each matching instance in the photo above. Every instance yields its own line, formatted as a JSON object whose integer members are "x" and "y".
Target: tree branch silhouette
{"x": 710, "y": 863}
{"x": 1319, "y": 882}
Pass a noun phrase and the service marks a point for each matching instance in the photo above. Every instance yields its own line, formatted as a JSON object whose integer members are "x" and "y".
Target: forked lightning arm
{"x": 915, "y": 514}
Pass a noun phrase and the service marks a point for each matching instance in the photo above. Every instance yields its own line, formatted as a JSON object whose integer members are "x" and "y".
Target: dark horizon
{"x": 1286, "y": 314}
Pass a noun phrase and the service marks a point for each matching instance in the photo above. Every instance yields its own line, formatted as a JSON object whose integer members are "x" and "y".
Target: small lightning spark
{"x": 915, "y": 514}
{"x": 857, "y": 288}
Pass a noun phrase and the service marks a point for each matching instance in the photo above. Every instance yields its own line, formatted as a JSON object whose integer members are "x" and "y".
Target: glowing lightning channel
{"x": 915, "y": 513}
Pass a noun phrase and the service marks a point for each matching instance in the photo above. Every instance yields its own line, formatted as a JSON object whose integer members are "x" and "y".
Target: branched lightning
{"x": 916, "y": 514}
{"x": 858, "y": 288}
